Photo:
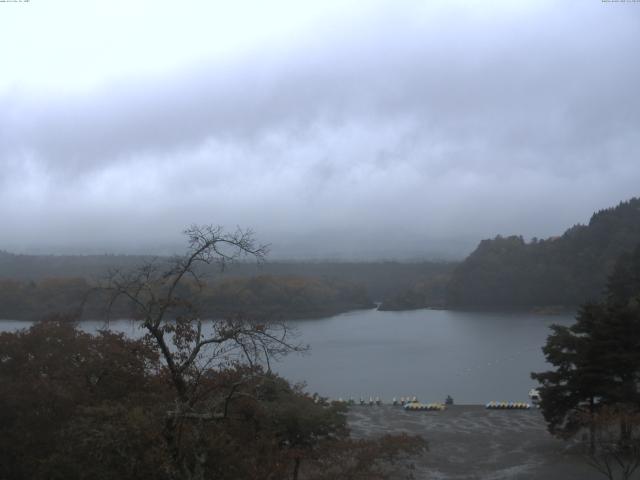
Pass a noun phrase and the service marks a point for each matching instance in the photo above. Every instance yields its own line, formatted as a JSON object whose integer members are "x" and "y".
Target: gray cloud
{"x": 392, "y": 135}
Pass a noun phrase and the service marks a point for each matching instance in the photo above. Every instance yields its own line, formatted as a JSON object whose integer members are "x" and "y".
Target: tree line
{"x": 381, "y": 279}
{"x": 559, "y": 271}
{"x": 261, "y": 296}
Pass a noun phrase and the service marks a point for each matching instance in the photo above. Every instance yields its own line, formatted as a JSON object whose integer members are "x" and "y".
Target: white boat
{"x": 534, "y": 395}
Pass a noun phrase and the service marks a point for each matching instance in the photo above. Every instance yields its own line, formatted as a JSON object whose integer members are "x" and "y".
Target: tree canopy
{"x": 568, "y": 270}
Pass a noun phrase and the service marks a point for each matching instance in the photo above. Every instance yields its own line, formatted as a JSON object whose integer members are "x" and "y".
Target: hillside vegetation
{"x": 263, "y": 296}
{"x": 32, "y": 286}
{"x": 558, "y": 271}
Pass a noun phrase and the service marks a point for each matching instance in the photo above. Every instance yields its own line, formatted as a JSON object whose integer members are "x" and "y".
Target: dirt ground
{"x": 469, "y": 442}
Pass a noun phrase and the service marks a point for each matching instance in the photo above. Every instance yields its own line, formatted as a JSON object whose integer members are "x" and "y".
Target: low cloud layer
{"x": 405, "y": 132}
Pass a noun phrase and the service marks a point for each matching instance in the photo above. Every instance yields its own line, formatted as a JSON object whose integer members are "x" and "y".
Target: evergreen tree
{"x": 597, "y": 359}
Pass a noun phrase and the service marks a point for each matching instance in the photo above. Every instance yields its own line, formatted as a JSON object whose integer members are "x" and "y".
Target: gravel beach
{"x": 471, "y": 442}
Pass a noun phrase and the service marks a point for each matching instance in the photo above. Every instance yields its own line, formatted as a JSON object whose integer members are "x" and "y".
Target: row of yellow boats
{"x": 508, "y": 405}
{"x": 422, "y": 407}
{"x": 413, "y": 404}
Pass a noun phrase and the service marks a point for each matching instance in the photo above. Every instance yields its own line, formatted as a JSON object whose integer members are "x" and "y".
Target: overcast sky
{"x": 350, "y": 129}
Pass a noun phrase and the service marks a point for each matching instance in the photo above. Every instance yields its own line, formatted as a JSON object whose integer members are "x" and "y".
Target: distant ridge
{"x": 557, "y": 271}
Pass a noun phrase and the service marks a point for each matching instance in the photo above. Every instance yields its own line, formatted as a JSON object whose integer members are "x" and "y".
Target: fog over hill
{"x": 395, "y": 129}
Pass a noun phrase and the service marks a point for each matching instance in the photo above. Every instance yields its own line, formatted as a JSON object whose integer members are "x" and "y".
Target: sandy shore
{"x": 470, "y": 442}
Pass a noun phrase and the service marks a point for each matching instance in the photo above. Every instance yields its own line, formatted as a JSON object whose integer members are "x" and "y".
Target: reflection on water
{"x": 474, "y": 357}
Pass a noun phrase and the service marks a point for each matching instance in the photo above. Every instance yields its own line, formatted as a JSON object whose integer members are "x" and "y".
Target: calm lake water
{"x": 474, "y": 357}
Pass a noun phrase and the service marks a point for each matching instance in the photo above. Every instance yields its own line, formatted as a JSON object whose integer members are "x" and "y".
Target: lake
{"x": 473, "y": 356}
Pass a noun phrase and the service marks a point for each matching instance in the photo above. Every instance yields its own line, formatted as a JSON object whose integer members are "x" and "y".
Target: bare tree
{"x": 164, "y": 296}
{"x": 615, "y": 451}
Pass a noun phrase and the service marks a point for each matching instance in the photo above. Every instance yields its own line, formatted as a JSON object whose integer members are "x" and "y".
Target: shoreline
{"x": 471, "y": 442}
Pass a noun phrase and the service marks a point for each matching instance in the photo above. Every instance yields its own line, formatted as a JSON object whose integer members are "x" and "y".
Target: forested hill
{"x": 33, "y": 286}
{"x": 381, "y": 279}
{"x": 558, "y": 271}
